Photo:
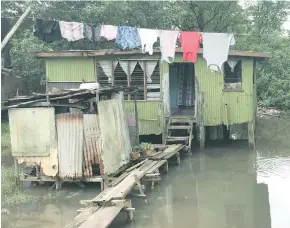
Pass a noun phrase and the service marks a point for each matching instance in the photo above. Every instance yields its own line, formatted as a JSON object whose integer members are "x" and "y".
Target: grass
{"x": 5, "y": 139}
{"x": 13, "y": 195}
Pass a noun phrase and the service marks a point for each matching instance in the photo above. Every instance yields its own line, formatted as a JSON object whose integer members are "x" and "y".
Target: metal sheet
{"x": 70, "y": 69}
{"x": 150, "y": 115}
{"x": 32, "y": 131}
{"x": 70, "y": 144}
{"x": 92, "y": 143}
{"x": 63, "y": 85}
{"x": 115, "y": 135}
{"x": 239, "y": 104}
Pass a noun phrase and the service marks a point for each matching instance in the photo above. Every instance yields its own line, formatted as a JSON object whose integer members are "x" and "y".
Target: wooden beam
{"x": 110, "y": 52}
{"x": 15, "y": 27}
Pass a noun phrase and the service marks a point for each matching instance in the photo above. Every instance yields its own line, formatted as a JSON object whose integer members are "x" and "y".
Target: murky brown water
{"x": 225, "y": 187}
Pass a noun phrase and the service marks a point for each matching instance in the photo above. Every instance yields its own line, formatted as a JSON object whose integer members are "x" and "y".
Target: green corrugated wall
{"x": 150, "y": 116}
{"x": 74, "y": 69}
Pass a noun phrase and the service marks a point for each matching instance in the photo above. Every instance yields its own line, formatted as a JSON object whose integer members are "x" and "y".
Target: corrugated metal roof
{"x": 70, "y": 144}
{"x": 92, "y": 143}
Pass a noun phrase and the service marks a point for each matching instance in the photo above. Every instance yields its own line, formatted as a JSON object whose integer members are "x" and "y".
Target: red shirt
{"x": 190, "y": 45}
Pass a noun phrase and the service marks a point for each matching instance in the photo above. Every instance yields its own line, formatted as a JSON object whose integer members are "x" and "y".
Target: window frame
{"x": 227, "y": 85}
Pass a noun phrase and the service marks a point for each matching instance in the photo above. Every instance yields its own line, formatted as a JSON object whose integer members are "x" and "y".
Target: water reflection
{"x": 226, "y": 187}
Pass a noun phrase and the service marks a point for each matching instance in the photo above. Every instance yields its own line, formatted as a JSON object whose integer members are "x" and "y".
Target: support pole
{"x": 15, "y": 27}
{"x": 251, "y": 134}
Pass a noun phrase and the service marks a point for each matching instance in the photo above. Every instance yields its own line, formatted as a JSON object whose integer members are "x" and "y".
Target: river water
{"x": 225, "y": 186}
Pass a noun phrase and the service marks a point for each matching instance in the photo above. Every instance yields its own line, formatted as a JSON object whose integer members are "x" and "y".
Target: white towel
{"x": 148, "y": 38}
{"x": 72, "y": 31}
{"x": 109, "y": 32}
{"x": 168, "y": 44}
{"x": 216, "y": 49}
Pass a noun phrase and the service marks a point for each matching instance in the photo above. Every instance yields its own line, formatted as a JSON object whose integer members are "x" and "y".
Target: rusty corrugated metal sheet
{"x": 92, "y": 143}
{"x": 70, "y": 144}
{"x": 70, "y": 69}
{"x": 150, "y": 115}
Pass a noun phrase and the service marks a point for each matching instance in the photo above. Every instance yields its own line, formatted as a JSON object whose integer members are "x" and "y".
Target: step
{"x": 173, "y": 139}
{"x": 180, "y": 127}
{"x": 180, "y": 120}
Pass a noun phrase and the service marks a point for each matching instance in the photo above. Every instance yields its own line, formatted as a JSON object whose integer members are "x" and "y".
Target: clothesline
{"x": 91, "y": 24}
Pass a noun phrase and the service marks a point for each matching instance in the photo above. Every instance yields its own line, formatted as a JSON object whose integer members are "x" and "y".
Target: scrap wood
{"x": 136, "y": 166}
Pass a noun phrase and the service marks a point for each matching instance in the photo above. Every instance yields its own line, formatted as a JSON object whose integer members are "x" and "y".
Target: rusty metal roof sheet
{"x": 70, "y": 144}
{"x": 92, "y": 143}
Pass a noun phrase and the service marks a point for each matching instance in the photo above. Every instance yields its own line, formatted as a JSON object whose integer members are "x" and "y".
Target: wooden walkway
{"x": 102, "y": 210}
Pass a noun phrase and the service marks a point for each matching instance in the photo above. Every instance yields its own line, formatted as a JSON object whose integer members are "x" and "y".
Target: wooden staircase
{"x": 180, "y": 130}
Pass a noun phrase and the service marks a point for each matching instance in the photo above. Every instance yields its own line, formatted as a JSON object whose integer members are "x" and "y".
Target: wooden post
{"x": 14, "y": 28}
{"x": 251, "y": 135}
{"x": 136, "y": 117}
{"x": 129, "y": 78}
{"x": 145, "y": 80}
{"x": 201, "y": 121}
{"x": 16, "y": 172}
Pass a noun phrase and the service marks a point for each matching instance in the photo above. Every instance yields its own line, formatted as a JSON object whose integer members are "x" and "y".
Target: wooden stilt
{"x": 202, "y": 136}
{"x": 16, "y": 172}
{"x": 57, "y": 184}
{"x": 251, "y": 135}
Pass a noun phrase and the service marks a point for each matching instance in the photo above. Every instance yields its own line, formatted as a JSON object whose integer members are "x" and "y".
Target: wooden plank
{"x": 82, "y": 217}
{"x": 102, "y": 218}
{"x": 156, "y": 50}
{"x": 156, "y": 166}
{"x": 119, "y": 179}
{"x": 136, "y": 166}
{"x": 126, "y": 186}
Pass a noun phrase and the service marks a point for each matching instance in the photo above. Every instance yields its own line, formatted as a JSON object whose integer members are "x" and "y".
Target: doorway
{"x": 182, "y": 89}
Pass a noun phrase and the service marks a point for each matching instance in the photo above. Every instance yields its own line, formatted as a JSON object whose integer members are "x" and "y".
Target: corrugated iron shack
{"x": 71, "y": 135}
{"x": 216, "y": 101}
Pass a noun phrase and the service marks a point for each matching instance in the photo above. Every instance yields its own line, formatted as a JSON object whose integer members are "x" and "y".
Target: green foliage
{"x": 5, "y": 138}
{"x": 257, "y": 27}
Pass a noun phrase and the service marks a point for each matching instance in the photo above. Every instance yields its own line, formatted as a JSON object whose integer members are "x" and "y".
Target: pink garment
{"x": 190, "y": 45}
{"x": 109, "y": 32}
{"x": 72, "y": 31}
{"x": 168, "y": 44}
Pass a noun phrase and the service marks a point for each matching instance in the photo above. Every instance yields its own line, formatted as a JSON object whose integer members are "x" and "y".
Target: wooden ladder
{"x": 180, "y": 130}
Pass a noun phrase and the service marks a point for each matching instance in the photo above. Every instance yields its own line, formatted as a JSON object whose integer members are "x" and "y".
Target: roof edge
{"x": 110, "y": 52}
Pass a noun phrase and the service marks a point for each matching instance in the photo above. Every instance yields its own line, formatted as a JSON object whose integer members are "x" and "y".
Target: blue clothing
{"x": 127, "y": 38}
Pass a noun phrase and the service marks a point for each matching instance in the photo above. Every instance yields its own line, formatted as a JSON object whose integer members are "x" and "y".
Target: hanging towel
{"x": 148, "y": 38}
{"x": 72, "y": 31}
{"x": 109, "y": 32}
{"x": 47, "y": 30}
{"x": 92, "y": 33}
{"x": 168, "y": 44}
{"x": 127, "y": 38}
{"x": 190, "y": 45}
{"x": 216, "y": 49}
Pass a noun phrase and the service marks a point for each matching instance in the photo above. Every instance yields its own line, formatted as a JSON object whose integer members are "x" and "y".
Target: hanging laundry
{"x": 148, "y": 37}
{"x": 92, "y": 33}
{"x": 216, "y": 49}
{"x": 47, "y": 30}
{"x": 72, "y": 31}
{"x": 127, "y": 38}
{"x": 168, "y": 44}
{"x": 190, "y": 42}
{"x": 109, "y": 32}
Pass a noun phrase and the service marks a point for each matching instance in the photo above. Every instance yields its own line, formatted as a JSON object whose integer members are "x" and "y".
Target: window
{"x": 233, "y": 75}
{"x": 143, "y": 74}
